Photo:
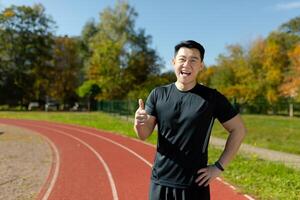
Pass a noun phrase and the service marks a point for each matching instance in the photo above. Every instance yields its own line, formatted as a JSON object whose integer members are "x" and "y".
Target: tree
{"x": 121, "y": 58}
{"x": 89, "y": 90}
{"x": 275, "y": 65}
{"x": 205, "y": 76}
{"x": 233, "y": 75}
{"x": 87, "y": 33}
{"x": 64, "y": 77}
{"x": 25, "y": 51}
{"x": 143, "y": 63}
{"x": 291, "y": 27}
{"x": 291, "y": 86}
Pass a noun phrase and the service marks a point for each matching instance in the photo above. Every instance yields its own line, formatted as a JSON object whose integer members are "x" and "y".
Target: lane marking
{"x": 234, "y": 188}
{"x": 56, "y": 170}
{"x": 107, "y": 170}
{"x": 111, "y": 141}
{"x": 248, "y": 197}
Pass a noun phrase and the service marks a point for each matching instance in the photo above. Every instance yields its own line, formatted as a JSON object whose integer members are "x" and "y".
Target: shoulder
{"x": 206, "y": 92}
{"x": 206, "y": 88}
{"x": 162, "y": 89}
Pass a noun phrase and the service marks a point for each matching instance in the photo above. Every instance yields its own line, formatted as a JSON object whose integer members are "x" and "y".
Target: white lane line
{"x": 111, "y": 141}
{"x": 56, "y": 170}
{"x": 234, "y": 188}
{"x": 107, "y": 170}
{"x": 248, "y": 197}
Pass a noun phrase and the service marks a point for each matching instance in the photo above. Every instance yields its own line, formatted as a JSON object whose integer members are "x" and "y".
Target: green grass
{"x": 261, "y": 179}
{"x": 271, "y": 132}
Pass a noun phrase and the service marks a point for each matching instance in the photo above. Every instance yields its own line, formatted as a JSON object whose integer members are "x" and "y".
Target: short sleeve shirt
{"x": 184, "y": 120}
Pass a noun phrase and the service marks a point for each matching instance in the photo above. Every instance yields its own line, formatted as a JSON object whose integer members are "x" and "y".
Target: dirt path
{"x": 25, "y": 160}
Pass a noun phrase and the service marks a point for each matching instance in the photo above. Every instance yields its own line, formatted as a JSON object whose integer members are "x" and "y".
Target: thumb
{"x": 141, "y": 104}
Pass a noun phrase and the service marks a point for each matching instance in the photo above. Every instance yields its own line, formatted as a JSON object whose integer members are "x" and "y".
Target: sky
{"x": 214, "y": 23}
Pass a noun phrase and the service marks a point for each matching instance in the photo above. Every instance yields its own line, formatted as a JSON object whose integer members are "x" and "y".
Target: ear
{"x": 173, "y": 62}
{"x": 202, "y": 67}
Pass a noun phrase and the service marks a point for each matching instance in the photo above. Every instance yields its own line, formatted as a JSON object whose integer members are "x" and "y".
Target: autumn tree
{"x": 291, "y": 84}
{"x": 233, "y": 75}
{"x": 205, "y": 76}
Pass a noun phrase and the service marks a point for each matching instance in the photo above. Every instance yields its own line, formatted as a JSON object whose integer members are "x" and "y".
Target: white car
{"x": 33, "y": 106}
{"x": 51, "y": 106}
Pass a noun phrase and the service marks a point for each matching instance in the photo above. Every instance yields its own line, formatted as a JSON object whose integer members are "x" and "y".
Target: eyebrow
{"x": 193, "y": 57}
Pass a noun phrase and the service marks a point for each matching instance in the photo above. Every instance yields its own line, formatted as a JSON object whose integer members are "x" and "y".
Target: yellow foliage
{"x": 9, "y": 13}
{"x": 205, "y": 75}
{"x": 273, "y": 76}
{"x": 294, "y": 56}
{"x": 272, "y": 96}
{"x": 242, "y": 93}
{"x": 291, "y": 85}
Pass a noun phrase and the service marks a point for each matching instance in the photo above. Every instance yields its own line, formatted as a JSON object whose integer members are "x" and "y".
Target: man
{"x": 184, "y": 112}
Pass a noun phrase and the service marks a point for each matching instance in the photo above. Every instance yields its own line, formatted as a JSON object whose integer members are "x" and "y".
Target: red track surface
{"x": 91, "y": 164}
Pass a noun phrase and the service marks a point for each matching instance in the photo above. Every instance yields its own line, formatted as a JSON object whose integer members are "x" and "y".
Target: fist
{"x": 140, "y": 115}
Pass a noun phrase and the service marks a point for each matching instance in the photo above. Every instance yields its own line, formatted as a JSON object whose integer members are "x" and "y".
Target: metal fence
{"x": 121, "y": 107}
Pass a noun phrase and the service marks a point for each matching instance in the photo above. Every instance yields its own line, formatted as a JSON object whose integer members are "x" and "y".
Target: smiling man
{"x": 184, "y": 112}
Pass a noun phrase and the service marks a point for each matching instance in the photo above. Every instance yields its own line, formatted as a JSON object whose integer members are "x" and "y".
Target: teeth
{"x": 185, "y": 73}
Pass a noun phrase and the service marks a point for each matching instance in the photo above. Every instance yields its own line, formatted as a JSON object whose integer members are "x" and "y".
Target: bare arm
{"x": 237, "y": 132}
{"x": 143, "y": 123}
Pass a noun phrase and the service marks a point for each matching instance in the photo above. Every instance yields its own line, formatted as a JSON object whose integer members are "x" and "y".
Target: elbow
{"x": 141, "y": 136}
{"x": 243, "y": 132}
{"x": 239, "y": 132}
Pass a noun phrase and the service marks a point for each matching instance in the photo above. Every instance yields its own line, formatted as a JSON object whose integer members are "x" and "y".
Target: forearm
{"x": 143, "y": 131}
{"x": 232, "y": 146}
{"x": 235, "y": 138}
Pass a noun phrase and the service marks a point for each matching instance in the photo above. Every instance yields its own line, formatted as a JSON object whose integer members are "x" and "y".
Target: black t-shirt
{"x": 184, "y": 120}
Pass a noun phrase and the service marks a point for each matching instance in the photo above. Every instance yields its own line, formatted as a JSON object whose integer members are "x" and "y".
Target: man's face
{"x": 187, "y": 64}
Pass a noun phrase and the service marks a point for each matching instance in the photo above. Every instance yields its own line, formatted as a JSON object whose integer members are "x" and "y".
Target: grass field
{"x": 261, "y": 179}
{"x": 271, "y": 132}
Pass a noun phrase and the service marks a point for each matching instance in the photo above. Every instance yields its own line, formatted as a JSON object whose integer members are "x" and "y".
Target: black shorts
{"x": 159, "y": 192}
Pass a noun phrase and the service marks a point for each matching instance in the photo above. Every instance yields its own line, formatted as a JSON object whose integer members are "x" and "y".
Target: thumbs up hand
{"x": 141, "y": 104}
{"x": 140, "y": 115}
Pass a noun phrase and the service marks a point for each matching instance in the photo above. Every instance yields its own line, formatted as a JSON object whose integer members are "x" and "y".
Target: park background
{"x": 112, "y": 63}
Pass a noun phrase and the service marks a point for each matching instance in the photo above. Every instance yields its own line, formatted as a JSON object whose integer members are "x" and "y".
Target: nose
{"x": 186, "y": 63}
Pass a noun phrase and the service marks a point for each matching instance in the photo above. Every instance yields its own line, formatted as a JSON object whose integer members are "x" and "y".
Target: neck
{"x": 185, "y": 87}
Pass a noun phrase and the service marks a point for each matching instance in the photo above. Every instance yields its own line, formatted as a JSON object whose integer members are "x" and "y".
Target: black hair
{"x": 191, "y": 44}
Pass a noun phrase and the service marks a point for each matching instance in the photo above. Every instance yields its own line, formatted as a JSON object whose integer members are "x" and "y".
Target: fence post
{"x": 291, "y": 110}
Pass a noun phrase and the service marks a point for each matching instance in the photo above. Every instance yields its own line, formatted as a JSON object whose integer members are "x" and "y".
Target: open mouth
{"x": 183, "y": 73}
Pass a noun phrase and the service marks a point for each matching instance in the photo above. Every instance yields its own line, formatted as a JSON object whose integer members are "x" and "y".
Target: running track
{"x": 89, "y": 164}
